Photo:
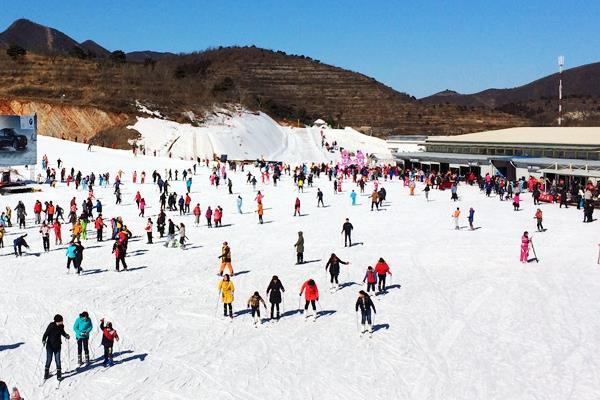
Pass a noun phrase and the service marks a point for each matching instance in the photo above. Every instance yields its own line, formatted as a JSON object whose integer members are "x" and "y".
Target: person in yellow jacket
{"x": 411, "y": 187}
{"x": 225, "y": 259}
{"x": 226, "y": 289}
{"x": 77, "y": 229}
{"x": 455, "y": 216}
{"x": 2, "y": 230}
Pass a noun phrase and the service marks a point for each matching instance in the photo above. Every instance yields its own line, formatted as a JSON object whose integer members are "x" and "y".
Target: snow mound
{"x": 245, "y": 135}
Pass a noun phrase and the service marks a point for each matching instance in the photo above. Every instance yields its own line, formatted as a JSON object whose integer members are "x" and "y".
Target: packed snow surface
{"x": 463, "y": 318}
{"x": 243, "y": 135}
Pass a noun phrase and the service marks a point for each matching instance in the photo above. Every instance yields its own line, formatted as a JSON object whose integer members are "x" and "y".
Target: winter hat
{"x": 84, "y": 314}
{"x": 311, "y": 282}
{"x": 58, "y": 318}
{"x": 256, "y": 294}
{"x": 362, "y": 292}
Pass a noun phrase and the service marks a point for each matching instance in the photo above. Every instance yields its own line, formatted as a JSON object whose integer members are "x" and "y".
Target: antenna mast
{"x": 561, "y": 63}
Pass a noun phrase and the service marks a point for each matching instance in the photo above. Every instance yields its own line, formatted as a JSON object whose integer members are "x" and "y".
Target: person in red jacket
{"x": 311, "y": 294}
{"x": 197, "y": 213}
{"x": 297, "y": 207}
{"x": 109, "y": 335}
{"x": 37, "y": 210}
{"x": 371, "y": 278}
{"x": 382, "y": 269}
{"x": 99, "y": 225}
{"x": 57, "y": 232}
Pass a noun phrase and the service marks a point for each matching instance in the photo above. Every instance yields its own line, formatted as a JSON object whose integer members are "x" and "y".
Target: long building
{"x": 514, "y": 152}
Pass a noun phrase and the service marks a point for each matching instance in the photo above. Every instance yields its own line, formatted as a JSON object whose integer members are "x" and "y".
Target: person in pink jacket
{"x": 142, "y": 207}
{"x": 208, "y": 216}
{"x": 218, "y": 215}
{"x": 516, "y": 202}
{"x": 311, "y": 294}
{"x": 525, "y": 242}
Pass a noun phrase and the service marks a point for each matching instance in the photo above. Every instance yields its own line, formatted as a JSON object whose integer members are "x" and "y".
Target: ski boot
{"x": 79, "y": 360}
{"x": 58, "y": 375}
{"x": 87, "y": 358}
{"x": 46, "y": 373}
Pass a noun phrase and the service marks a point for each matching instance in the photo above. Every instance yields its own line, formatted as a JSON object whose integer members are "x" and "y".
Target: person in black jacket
{"x": 52, "y": 341}
{"x": 18, "y": 244}
{"x": 347, "y": 231}
{"x": 78, "y": 256}
{"x": 365, "y": 304}
{"x": 274, "y": 291}
{"x": 333, "y": 264}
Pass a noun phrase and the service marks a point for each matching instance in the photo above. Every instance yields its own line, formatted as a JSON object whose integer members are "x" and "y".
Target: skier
{"x": 119, "y": 251}
{"x": 297, "y": 207}
{"x": 471, "y": 218}
{"x": 260, "y": 211}
{"x": 229, "y": 186}
{"x": 182, "y": 237}
{"x": 365, "y": 304}
{"x": 239, "y": 204}
{"x": 426, "y": 190}
{"x": 99, "y": 225}
{"x": 109, "y": 335}
{"x": 170, "y": 234}
{"x": 82, "y": 328}
{"x": 208, "y": 216}
{"x": 311, "y": 294}
{"x": 148, "y": 230}
{"x": 225, "y": 259}
{"x": 353, "y": 197}
{"x": 2, "y": 232}
{"x": 374, "y": 200}
{"x": 18, "y": 244}
{"x": 525, "y": 243}
{"x": 453, "y": 190}
{"x": 51, "y": 339}
{"x": 78, "y": 257}
{"x": 320, "y": 198}
{"x": 274, "y": 291}
{"x": 299, "y": 245}
{"x": 57, "y": 232}
{"x": 45, "y": 231}
{"x": 371, "y": 278}
{"x": 347, "y": 231}
{"x": 197, "y": 212}
{"x": 455, "y": 216}
{"x": 382, "y": 269}
{"x": 516, "y": 202}
{"x": 226, "y": 289}
{"x": 254, "y": 305}
{"x": 538, "y": 217}
{"x": 142, "y": 207}
{"x": 333, "y": 264}
{"x": 218, "y": 215}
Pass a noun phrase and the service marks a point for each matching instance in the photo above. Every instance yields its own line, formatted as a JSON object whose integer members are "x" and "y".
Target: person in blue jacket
{"x": 239, "y": 204}
{"x": 71, "y": 254}
{"x": 18, "y": 244}
{"x": 98, "y": 207}
{"x": 82, "y": 328}
{"x": 353, "y": 197}
{"x": 471, "y": 217}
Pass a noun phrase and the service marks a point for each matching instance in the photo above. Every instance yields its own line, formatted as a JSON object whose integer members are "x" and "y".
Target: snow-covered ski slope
{"x": 243, "y": 135}
{"x": 468, "y": 321}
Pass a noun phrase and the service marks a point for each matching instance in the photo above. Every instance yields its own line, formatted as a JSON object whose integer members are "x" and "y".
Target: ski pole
{"x": 69, "y": 354}
{"x": 357, "y": 327}
{"x": 283, "y": 300}
{"x": 217, "y": 308}
{"x": 39, "y": 360}
{"x": 300, "y": 302}
{"x": 319, "y": 304}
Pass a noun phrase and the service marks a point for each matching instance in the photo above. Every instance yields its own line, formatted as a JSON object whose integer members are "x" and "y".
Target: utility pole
{"x": 561, "y": 63}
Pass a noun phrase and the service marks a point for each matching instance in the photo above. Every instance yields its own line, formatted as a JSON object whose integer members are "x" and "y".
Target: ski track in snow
{"x": 468, "y": 322}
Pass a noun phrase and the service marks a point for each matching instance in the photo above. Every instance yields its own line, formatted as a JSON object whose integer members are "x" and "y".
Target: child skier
{"x": 297, "y": 207}
{"x": 538, "y": 217}
{"x": 109, "y": 335}
{"x": 254, "y": 305}
{"x": 455, "y": 216}
{"x": 471, "y": 218}
{"x": 371, "y": 278}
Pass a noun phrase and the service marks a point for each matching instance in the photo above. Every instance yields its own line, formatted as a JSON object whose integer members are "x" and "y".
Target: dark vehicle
{"x": 10, "y": 138}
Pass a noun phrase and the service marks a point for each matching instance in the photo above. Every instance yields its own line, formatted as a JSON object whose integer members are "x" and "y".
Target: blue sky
{"x": 419, "y": 46}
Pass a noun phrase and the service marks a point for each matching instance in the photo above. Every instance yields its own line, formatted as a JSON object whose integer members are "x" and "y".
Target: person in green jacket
{"x": 82, "y": 328}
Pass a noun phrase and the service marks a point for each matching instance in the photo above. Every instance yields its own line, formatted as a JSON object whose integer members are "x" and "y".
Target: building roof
{"x": 528, "y": 135}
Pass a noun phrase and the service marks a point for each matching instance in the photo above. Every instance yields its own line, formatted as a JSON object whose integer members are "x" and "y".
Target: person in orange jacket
{"x": 311, "y": 294}
{"x": 455, "y": 216}
{"x": 539, "y": 218}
